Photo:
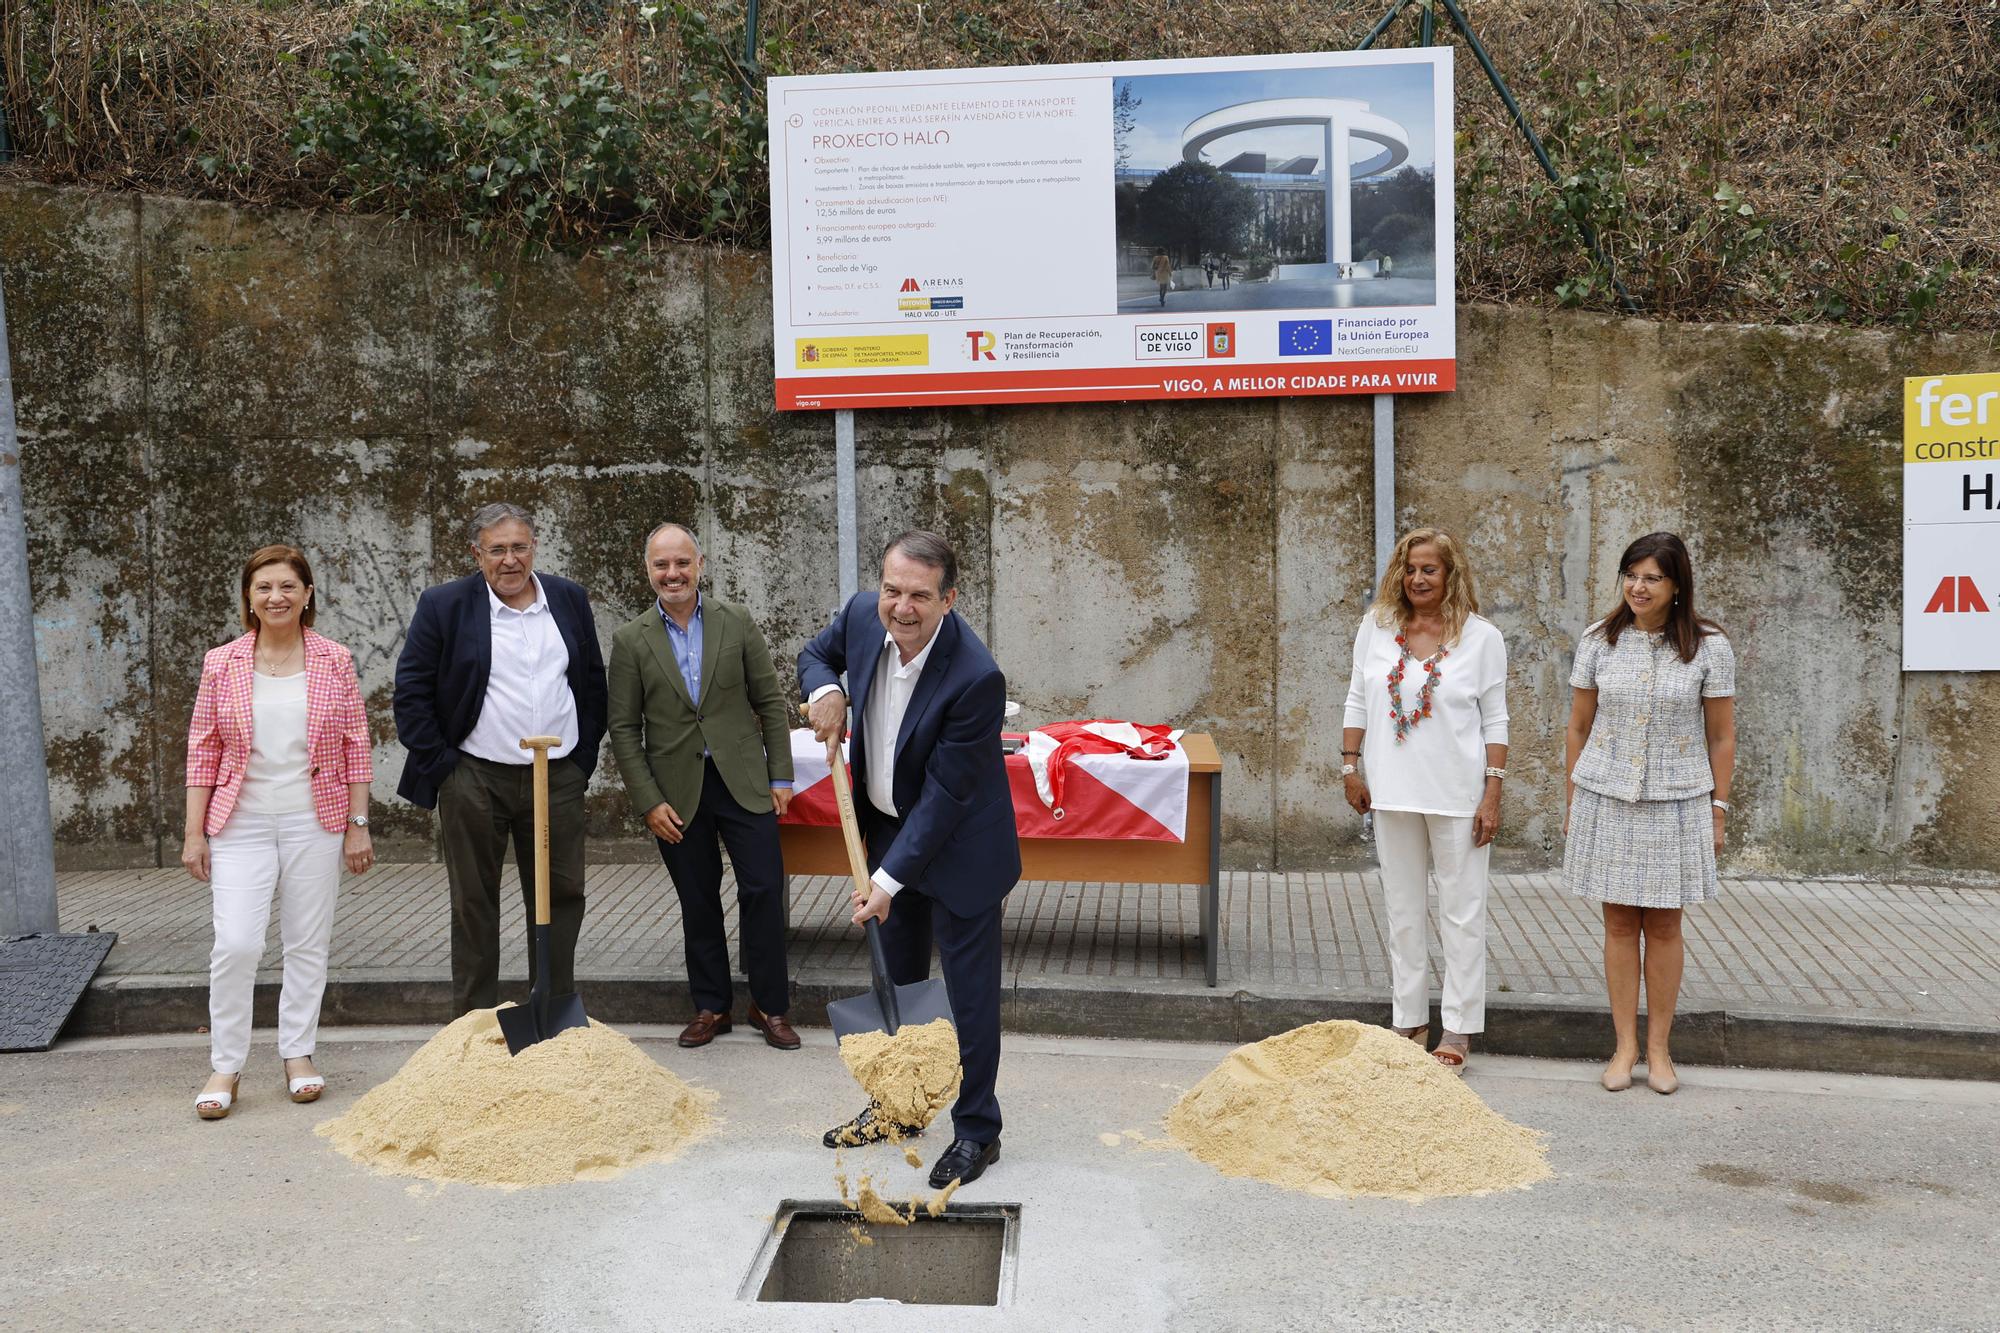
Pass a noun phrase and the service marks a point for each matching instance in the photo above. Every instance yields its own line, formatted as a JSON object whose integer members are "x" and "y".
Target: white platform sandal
{"x": 306, "y": 1088}
{"x": 215, "y": 1105}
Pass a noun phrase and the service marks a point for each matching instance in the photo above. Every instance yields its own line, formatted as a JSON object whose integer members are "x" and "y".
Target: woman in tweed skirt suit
{"x": 1650, "y": 750}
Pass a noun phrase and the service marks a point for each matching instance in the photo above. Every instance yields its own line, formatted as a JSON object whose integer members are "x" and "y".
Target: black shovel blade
{"x": 919, "y": 1002}
{"x": 525, "y": 1024}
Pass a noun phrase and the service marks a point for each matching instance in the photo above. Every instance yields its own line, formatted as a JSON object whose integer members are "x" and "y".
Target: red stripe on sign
{"x": 1282, "y": 379}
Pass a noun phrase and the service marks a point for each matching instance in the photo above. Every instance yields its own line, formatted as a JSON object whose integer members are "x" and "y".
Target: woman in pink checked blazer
{"x": 278, "y": 769}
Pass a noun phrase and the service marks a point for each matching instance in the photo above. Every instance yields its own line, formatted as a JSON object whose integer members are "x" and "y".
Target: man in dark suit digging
{"x": 934, "y": 809}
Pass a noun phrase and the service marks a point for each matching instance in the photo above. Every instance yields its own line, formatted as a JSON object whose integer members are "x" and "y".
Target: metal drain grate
{"x": 812, "y": 1254}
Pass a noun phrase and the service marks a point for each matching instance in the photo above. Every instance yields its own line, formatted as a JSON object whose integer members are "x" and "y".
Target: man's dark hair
{"x": 927, "y": 548}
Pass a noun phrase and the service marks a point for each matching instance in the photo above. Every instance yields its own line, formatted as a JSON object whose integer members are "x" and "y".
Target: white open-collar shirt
{"x": 882, "y": 718}
{"x": 527, "y": 687}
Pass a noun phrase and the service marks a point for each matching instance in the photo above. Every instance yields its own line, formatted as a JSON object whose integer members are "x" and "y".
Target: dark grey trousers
{"x": 481, "y": 807}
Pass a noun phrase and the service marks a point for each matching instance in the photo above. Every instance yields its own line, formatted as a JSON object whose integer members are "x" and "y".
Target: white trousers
{"x": 1413, "y": 848}
{"x": 253, "y": 856}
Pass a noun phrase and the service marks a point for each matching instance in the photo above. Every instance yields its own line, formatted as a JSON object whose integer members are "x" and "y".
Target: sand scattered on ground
{"x": 1341, "y": 1108}
{"x": 910, "y": 1076}
{"x": 586, "y": 1104}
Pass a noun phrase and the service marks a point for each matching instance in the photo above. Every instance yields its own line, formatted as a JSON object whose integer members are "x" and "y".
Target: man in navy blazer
{"x": 490, "y": 659}
{"x": 931, "y": 795}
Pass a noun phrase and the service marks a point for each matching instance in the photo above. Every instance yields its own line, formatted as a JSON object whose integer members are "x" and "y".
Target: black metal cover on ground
{"x": 41, "y": 979}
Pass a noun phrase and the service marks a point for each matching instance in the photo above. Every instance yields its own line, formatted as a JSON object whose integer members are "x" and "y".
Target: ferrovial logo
{"x": 979, "y": 345}
{"x": 1955, "y": 593}
{"x": 909, "y": 285}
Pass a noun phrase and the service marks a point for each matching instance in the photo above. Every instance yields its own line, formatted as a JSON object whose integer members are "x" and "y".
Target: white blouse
{"x": 1439, "y": 767}
{"x": 276, "y": 780}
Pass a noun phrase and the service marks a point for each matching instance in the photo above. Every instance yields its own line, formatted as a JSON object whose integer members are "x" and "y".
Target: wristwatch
{"x": 358, "y": 821}
{"x": 1348, "y": 770}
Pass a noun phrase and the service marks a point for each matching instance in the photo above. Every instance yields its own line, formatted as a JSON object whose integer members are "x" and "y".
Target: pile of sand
{"x": 584, "y": 1105}
{"x": 1342, "y": 1108}
{"x": 910, "y": 1076}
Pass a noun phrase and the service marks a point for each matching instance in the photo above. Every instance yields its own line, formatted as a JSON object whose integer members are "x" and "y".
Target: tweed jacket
{"x": 1649, "y": 740}
{"x": 338, "y": 750}
{"x": 658, "y": 734}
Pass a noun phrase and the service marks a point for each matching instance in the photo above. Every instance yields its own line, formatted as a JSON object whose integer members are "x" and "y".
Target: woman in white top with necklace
{"x": 278, "y": 767}
{"x": 1427, "y": 720}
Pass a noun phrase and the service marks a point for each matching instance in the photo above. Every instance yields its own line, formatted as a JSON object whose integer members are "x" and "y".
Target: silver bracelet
{"x": 1721, "y": 805}
{"x": 1500, "y": 773}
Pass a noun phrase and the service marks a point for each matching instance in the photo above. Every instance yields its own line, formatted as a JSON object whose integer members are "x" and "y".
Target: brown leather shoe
{"x": 777, "y": 1032}
{"x": 706, "y": 1028}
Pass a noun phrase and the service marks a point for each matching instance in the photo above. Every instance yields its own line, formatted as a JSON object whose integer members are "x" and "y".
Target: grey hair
{"x": 683, "y": 528}
{"x": 498, "y": 512}
{"x": 927, "y": 548}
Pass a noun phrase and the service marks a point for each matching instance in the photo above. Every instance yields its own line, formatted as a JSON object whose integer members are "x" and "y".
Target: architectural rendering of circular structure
{"x": 1341, "y": 120}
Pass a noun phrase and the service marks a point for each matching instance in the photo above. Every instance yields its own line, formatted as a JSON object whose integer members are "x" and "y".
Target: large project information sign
{"x": 1232, "y": 227}
{"x": 1951, "y": 523}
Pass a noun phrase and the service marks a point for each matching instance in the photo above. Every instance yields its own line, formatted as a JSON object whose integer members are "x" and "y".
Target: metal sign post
{"x": 27, "y": 838}
{"x": 844, "y": 503}
{"x": 1385, "y": 481}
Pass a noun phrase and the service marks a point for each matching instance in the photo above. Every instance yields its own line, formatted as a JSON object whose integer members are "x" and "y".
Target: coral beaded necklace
{"x": 1406, "y": 722}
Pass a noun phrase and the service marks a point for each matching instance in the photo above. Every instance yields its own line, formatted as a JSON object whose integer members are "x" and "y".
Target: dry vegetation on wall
{"x": 1742, "y": 159}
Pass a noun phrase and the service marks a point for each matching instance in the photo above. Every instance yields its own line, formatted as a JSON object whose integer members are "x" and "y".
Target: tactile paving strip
{"x": 41, "y": 979}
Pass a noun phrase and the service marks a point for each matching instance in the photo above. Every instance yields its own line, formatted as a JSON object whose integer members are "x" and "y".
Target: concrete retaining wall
{"x": 195, "y": 380}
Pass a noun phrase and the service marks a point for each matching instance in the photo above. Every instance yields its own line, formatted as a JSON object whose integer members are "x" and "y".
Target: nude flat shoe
{"x": 1618, "y": 1083}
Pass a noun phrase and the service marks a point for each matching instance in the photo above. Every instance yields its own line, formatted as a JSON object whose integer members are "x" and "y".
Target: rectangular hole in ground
{"x": 815, "y": 1252}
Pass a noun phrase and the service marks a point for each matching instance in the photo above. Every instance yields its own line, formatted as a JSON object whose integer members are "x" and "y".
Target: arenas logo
{"x": 1955, "y": 593}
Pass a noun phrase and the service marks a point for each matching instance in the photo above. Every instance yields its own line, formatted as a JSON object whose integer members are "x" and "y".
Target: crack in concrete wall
{"x": 195, "y": 380}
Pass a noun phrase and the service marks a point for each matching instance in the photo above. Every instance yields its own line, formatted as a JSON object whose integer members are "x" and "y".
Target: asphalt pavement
{"x": 1749, "y": 1200}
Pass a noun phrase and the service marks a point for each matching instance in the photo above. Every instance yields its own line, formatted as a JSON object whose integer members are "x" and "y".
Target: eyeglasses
{"x": 519, "y": 550}
{"x": 1646, "y": 580}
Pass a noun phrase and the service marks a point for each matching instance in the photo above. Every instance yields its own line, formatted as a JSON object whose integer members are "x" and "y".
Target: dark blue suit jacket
{"x": 441, "y": 677}
{"x": 957, "y": 843}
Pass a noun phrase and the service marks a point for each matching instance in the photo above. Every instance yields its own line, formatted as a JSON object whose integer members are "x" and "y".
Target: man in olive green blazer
{"x": 699, "y": 729}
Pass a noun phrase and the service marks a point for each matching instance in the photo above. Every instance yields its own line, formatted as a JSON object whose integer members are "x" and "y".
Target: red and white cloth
{"x": 1102, "y": 779}
{"x": 1056, "y": 750}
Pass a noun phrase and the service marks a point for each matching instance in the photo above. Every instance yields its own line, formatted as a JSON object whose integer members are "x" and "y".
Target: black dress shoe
{"x": 964, "y": 1161}
{"x": 866, "y": 1128}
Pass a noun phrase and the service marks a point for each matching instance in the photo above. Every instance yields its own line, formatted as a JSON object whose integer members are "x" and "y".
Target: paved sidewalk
{"x": 1901, "y": 978}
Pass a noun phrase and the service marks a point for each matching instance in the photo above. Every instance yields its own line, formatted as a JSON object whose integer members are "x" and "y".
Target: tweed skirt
{"x": 1640, "y": 853}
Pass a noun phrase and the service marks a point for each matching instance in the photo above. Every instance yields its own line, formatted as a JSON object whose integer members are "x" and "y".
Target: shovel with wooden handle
{"x": 886, "y": 1007}
{"x": 545, "y": 1014}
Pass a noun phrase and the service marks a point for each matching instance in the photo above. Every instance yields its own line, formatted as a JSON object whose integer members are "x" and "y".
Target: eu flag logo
{"x": 1305, "y": 337}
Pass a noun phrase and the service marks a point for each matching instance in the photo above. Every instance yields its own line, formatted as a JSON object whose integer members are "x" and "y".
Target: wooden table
{"x": 816, "y": 850}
